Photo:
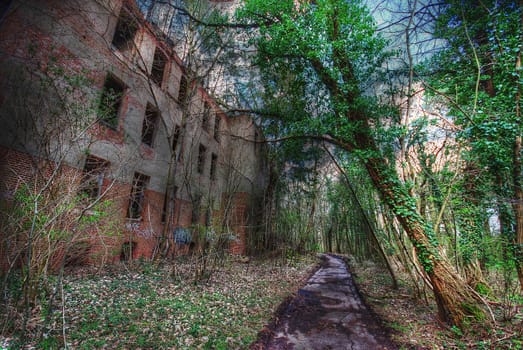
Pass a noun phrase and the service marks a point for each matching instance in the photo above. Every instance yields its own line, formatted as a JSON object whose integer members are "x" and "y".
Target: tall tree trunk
{"x": 454, "y": 298}
{"x": 517, "y": 168}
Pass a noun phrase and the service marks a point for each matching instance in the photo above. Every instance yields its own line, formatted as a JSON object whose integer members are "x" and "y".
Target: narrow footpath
{"x": 327, "y": 313}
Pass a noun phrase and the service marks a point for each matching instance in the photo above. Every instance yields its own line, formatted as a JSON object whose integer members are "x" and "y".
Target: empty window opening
{"x": 93, "y": 177}
{"x": 217, "y": 122}
{"x": 182, "y": 91}
{"x": 158, "y": 68}
{"x": 214, "y": 162}
{"x": 111, "y": 101}
{"x": 126, "y": 29}
{"x": 201, "y": 158}
{"x": 150, "y": 122}
{"x": 136, "y": 200}
{"x": 176, "y": 138}
{"x": 127, "y": 252}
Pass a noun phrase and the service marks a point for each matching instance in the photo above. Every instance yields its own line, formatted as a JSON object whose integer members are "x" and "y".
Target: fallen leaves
{"x": 143, "y": 306}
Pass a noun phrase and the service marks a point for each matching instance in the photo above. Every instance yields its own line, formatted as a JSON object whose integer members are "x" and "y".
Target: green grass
{"x": 147, "y": 307}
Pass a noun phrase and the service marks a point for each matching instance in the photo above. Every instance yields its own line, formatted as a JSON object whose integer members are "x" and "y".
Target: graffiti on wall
{"x": 135, "y": 228}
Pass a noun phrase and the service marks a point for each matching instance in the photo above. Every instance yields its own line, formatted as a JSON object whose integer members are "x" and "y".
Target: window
{"x": 201, "y": 158}
{"x": 206, "y": 115}
{"x": 214, "y": 161}
{"x": 125, "y": 31}
{"x": 93, "y": 177}
{"x": 158, "y": 68}
{"x": 217, "y": 121}
{"x": 150, "y": 121}
{"x": 137, "y": 196}
{"x": 176, "y": 137}
{"x": 111, "y": 101}
{"x": 182, "y": 91}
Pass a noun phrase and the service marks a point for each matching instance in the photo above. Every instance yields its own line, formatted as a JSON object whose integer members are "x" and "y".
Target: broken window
{"x": 93, "y": 177}
{"x": 150, "y": 121}
{"x": 137, "y": 196}
{"x": 126, "y": 29}
{"x": 217, "y": 121}
{"x": 111, "y": 101}
{"x": 214, "y": 162}
{"x": 182, "y": 91}
{"x": 158, "y": 68}
{"x": 201, "y": 158}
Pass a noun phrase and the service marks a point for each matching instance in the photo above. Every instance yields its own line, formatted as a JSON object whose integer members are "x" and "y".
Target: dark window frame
{"x": 111, "y": 101}
{"x": 93, "y": 176}
{"x": 202, "y": 154}
{"x": 125, "y": 30}
{"x": 150, "y": 124}
{"x": 214, "y": 166}
{"x": 160, "y": 61}
{"x": 137, "y": 196}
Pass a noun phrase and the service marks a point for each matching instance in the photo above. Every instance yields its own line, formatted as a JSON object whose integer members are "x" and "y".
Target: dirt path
{"x": 327, "y": 313}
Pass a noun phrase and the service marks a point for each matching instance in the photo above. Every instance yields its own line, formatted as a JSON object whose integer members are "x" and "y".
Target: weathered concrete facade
{"x": 91, "y": 87}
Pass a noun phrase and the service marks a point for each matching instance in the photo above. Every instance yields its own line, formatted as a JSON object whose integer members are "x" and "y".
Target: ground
{"x": 326, "y": 313}
{"x": 148, "y": 306}
{"x": 414, "y": 321}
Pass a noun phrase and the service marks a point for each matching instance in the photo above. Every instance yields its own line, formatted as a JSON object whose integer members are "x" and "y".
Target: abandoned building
{"x": 91, "y": 90}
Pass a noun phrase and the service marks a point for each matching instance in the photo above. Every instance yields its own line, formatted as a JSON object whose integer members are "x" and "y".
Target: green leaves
{"x": 295, "y": 39}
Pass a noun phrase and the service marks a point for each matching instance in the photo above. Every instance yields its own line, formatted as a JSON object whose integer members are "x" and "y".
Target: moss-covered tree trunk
{"x": 332, "y": 44}
{"x": 455, "y": 300}
{"x": 517, "y": 166}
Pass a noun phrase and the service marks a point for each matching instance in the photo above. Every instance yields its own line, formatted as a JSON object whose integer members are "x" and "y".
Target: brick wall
{"x": 76, "y": 50}
{"x": 16, "y": 169}
{"x": 239, "y": 221}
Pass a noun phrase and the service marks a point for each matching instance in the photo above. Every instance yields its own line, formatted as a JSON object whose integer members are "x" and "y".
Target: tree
{"x": 479, "y": 73}
{"x": 318, "y": 59}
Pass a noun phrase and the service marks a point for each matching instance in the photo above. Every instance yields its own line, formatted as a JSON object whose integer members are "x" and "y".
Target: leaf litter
{"x": 145, "y": 306}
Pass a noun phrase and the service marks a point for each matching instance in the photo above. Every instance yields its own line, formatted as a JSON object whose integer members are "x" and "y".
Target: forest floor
{"x": 146, "y": 306}
{"x": 413, "y": 320}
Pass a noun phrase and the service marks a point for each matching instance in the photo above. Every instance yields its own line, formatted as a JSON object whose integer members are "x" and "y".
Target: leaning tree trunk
{"x": 455, "y": 300}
